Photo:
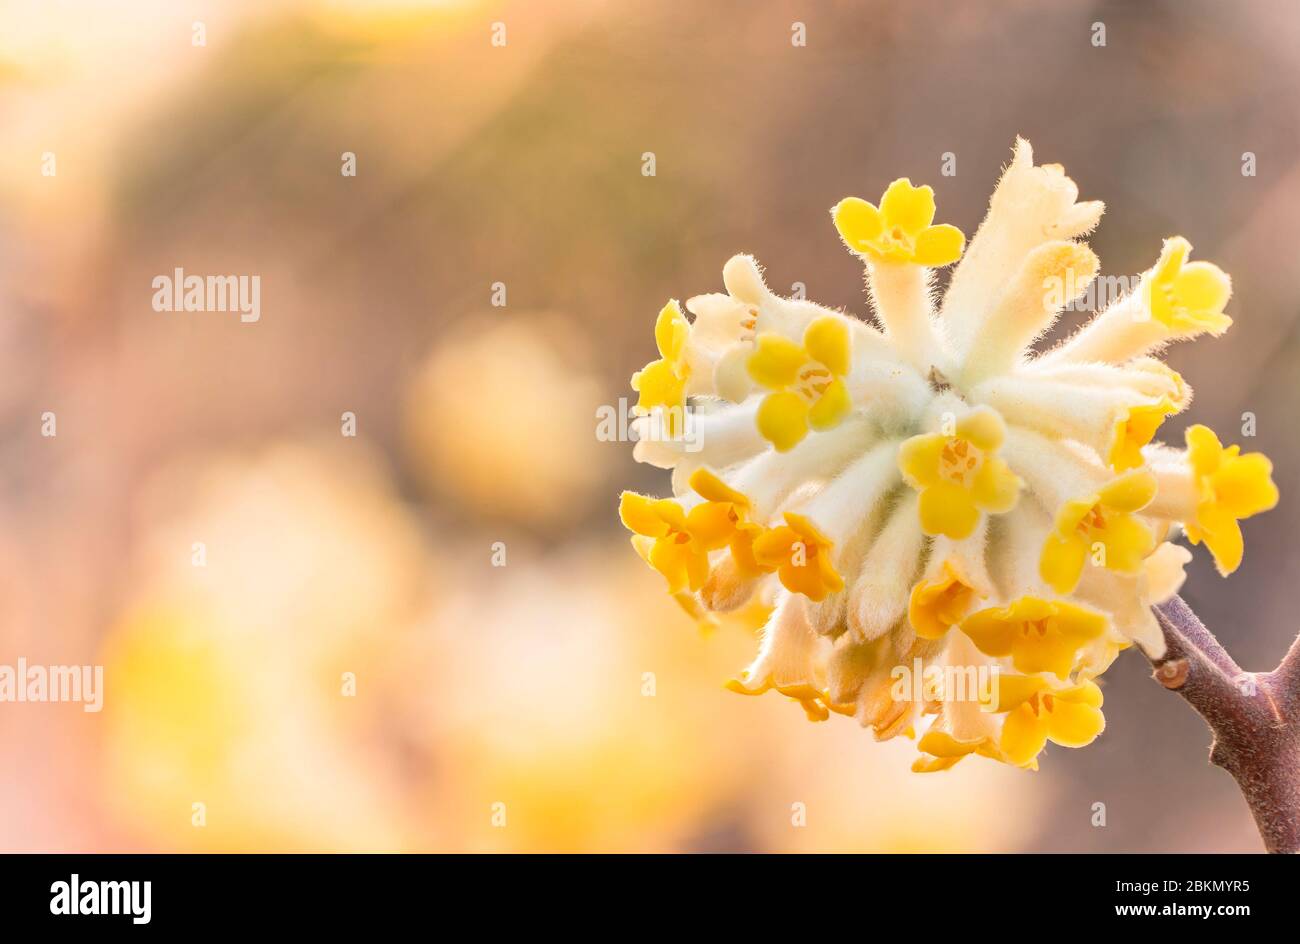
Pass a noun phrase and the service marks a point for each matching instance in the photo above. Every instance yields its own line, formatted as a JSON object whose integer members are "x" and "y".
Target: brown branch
{"x": 1255, "y": 719}
{"x": 1285, "y": 680}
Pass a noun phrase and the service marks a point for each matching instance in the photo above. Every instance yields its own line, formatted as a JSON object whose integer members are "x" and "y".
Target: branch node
{"x": 1172, "y": 674}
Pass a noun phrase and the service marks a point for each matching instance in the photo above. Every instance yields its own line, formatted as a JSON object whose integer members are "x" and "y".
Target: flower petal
{"x": 776, "y": 361}
{"x": 1129, "y": 492}
{"x": 859, "y": 223}
{"x": 783, "y": 420}
{"x": 918, "y": 459}
{"x": 671, "y": 333}
{"x": 947, "y": 508}
{"x": 831, "y": 407}
{"x": 939, "y": 245}
{"x": 996, "y": 488}
{"x": 1128, "y": 542}
{"x": 1074, "y": 724}
{"x": 1244, "y": 485}
{"x": 827, "y": 340}
{"x": 909, "y": 208}
{"x": 1023, "y": 736}
{"x": 1062, "y": 561}
{"x": 651, "y": 517}
{"x": 983, "y": 428}
{"x": 706, "y": 484}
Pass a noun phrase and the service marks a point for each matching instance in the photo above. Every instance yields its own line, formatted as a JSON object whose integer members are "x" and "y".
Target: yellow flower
{"x": 801, "y": 556}
{"x": 807, "y": 381}
{"x": 936, "y": 605}
{"x": 1039, "y": 635}
{"x": 942, "y": 751}
{"x": 959, "y": 476}
{"x": 677, "y": 542}
{"x": 1188, "y": 297}
{"x": 662, "y": 383}
{"x": 660, "y": 535}
{"x": 900, "y": 230}
{"x": 1038, "y": 713}
{"x": 1229, "y": 487}
{"x": 723, "y": 521}
{"x": 1104, "y": 521}
{"x": 1135, "y": 429}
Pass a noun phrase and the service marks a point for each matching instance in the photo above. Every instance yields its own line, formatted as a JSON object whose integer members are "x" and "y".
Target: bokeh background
{"x": 523, "y": 685}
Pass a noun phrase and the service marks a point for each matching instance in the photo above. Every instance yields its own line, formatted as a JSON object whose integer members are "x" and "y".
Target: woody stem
{"x": 1253, "y": 717}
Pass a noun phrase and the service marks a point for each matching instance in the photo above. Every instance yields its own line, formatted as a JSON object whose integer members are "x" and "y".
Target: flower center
{"x": 1170, "y": 298}
{"x": 1034, "y": 628}
{"x": 1094, "y": 520}
{"x": 1042, "y": 703}
{"x": 960, "y": 462}
{"x": 813, "y": 380}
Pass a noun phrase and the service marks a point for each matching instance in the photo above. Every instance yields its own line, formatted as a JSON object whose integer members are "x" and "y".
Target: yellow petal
{"x": 711, "y": 524}
{"x": 1053, "y": 652}
{"x": 807, "y": 530}
{"x": 947, "y": 508}
{"x": 1222, "y": 535}
{"x": 1127, "y": 541}
{"x": 659, "y": 385}
{"x": 943, "y": 744}
{"x": 1243, "y": 485}
{"x": 783, "y": 420}
{"x": 939, "y": 245}
{"x": 1085, "y": 693}
{"x": 909, "y": 208}
{"x": 671, "y": 332}
{"x": 918, "y": 459}
{"x": 1074, "y": 724}
{"x": 705, "y": 483}
{"x": 983, "y": 428}
{"x": 1203, "y": 289}
{"x": 1061, "y": 564}
{"x": 742, "y": 551}
{"x": 816, "y": 576}
{"x": 776, "y": 361}
{"x": 1204, "y": 451}
{"x": 1135, "y": 429}
{"x": 935, "y": 606}
{"x": 773, "y": 547}
{"x": 831, "y": 407}
{"x": 1130, "y": 492}
{"x": 996, "y": 488}
{"x": 1024, "y": 735}
{"x": 641, "y": 514}
{"x": 683, "y": 564}
{"x": 930, "y": 765}
{"x": 859, "y": 223}
{"x": 827, "y": 340}
{"x": 1173, "y": 254}
{"x": 991, "y": 629}
{"x": 1014, "y": 690}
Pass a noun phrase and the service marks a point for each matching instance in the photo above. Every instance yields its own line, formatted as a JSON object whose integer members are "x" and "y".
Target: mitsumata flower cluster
{"x": 932, "y": 494}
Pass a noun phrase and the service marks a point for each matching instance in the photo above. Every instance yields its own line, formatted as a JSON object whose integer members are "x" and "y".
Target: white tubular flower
{"x": 956, "y": 533}
{"x": 879, "y": 597}
{"x": 1053, "y": 275}
{"x": 1031, "y": 205}
{"x": 1175, "y": 300}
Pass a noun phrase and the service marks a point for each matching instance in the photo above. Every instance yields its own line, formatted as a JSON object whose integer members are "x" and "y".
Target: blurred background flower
{"x": 559, "y": 690}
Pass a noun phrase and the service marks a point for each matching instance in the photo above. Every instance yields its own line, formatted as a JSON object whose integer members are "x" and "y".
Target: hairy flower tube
{"x": 955, "y": 532}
